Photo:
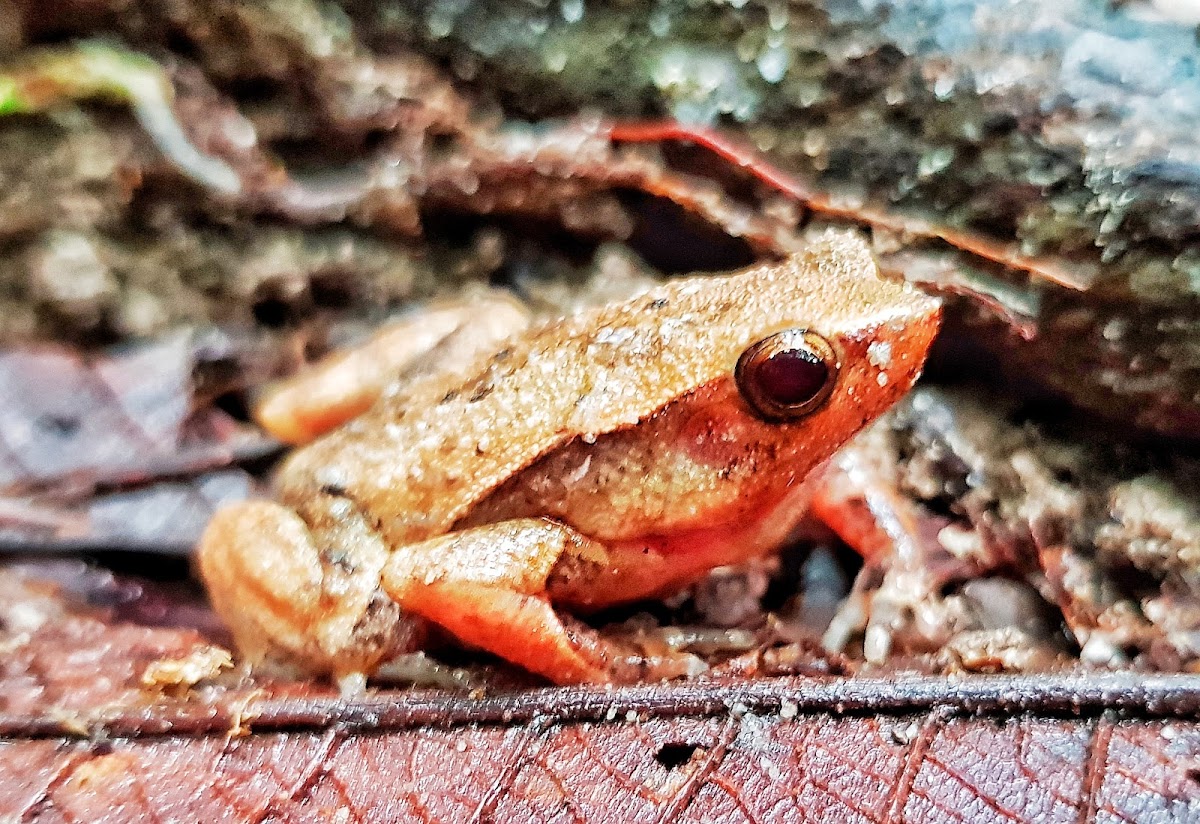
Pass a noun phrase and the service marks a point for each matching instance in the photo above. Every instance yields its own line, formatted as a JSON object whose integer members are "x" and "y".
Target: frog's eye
{"x": 787, "y": 375}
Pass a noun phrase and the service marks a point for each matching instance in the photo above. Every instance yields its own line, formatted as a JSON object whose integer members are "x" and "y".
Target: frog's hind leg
{"x": 439, "y": 341}
{"x": 293, "y": 605}
{"x": 488, "y": 586}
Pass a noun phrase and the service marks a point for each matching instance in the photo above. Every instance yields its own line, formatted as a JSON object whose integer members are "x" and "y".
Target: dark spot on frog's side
{"x": 450, "y": 396}
{"x": 481, "y": 392}
{"x": 336, "y": 558}
{"x": 660, "y": 303}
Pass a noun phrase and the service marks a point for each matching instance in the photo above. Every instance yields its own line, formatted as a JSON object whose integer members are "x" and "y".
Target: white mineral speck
{"x": 877, "y": 643}
{"x": 934, "y": 161}
{"x": 879, "y": 354}
{"x": 240, "y": 132}
{"x": 701, "y": 85}
{"x": 773, "y": 64}
{"x": 614, "y": 335}
{"x": 959, "y": 542}
{"x": 572, "y": 10}
{"x": 22, "y": 619}
{"x": 1186, "y": 12}
{"x": 659, "y": 22}
{"x": 580, "y": 472}
{"x": 439, "y": 24}
{"x": 904, "y": 735}
{"x": 777, "y": 16}
{"x": 943, "y": 87}
{"x": 1115, "y": 329}
{"x": 330, "y": 476}
{"x": 881, "y": 379}
{"x": 556, "y": 60}
{"x": 1101, "y": 651}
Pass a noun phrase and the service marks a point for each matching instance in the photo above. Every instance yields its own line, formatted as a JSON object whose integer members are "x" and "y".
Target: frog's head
{"x": 808, "y": 350}
{"x": 829, "y": 345}
{"x": 710, "y": 399}
{"x": 707, "y": 404}
{"x": 785, "y": 363}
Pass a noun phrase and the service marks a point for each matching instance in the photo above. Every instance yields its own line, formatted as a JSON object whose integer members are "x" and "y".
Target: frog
{"x": 610, "y": 456}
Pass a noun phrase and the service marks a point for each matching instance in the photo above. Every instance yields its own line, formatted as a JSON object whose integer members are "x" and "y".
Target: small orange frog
{"x": 613, "y": 455}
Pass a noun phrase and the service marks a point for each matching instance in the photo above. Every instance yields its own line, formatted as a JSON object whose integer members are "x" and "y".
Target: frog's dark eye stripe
{"x": 787, "y": 375}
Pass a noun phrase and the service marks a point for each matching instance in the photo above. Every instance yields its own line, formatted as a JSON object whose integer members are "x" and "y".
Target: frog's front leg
{"x": 491, "y": 587}
{"x": 304, "y": 598}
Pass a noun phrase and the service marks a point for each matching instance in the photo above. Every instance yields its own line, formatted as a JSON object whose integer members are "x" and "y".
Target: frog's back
{"x": 417, "y": 462}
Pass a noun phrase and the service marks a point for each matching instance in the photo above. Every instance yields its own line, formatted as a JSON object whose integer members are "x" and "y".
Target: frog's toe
{"x": 285, "y": 606}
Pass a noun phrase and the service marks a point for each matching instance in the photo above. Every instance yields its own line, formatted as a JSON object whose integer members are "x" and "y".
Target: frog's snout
{"x": 911, "y": 335}
{"x": 887, "y": 320}
{"x": 886, "y": 359}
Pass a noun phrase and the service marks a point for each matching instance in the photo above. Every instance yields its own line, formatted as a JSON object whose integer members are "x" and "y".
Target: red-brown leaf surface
{"x": 86, "y": 740}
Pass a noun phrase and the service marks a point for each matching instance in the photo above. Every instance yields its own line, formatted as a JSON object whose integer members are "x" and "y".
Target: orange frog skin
{"x": 613, "y": 455}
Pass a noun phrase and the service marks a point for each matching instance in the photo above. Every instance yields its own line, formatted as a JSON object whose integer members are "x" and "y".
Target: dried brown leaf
{"x": 75, "y": 422}
{"x": 85, "y": 741}
{"x": 117, "y": 450}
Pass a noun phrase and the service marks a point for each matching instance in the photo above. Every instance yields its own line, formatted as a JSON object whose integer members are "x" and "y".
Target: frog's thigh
{"x": 287, "y": 603}
{"x": 345, "y": 384}
{"x": 487, "y": 585}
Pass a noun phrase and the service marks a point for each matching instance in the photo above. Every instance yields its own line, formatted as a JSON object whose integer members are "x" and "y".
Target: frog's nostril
{"x": 787, "y": 375}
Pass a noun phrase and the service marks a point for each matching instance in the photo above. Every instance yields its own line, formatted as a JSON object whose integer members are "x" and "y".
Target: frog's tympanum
{"x": 610, "y": 456}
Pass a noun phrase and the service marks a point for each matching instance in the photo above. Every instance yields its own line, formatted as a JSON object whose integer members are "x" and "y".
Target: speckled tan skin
{"x": 598, "y": 459}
